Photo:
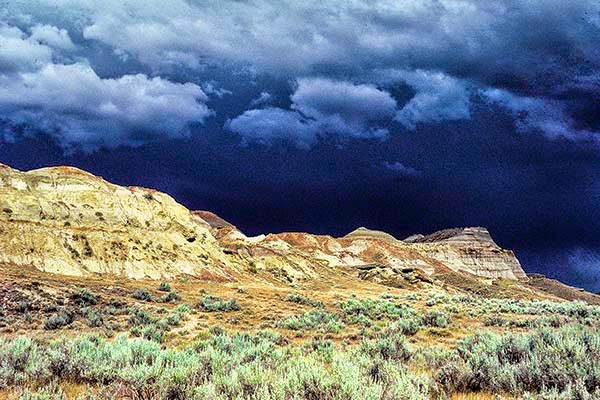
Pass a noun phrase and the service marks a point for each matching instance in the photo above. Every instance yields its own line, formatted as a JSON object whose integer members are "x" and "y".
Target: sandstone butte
{"x": 66, "y": 221}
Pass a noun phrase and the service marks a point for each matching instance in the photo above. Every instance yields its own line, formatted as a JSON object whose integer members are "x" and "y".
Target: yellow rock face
{"x": 67, "y": 221}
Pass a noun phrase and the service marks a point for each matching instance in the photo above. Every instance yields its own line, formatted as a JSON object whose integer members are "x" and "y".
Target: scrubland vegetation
{"x": 387, "y": 347}
{"x": 545, "y": 364}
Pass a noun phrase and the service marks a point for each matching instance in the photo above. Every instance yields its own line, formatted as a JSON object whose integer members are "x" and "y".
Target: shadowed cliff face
{"x": 67, "y": 221}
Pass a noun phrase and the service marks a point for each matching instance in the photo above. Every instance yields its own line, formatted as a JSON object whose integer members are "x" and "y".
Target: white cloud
{"x": 19, "y": 52}
{"x": 438, "y": 97}
{"x": 52, "y": 36}
{"x": 212, "y": 89}
{"x": 81, "y": 108}
{"x": 321, "y": 106}
{"x": 270, "y": 125}
{"x": 356, "y": 105}
{"x": 455, "y": 36}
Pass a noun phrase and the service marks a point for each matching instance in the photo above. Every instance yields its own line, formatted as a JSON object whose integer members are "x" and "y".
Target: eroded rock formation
{"x": 67, "y": 221}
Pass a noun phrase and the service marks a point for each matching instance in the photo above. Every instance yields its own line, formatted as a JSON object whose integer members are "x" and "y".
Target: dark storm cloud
{"x": 545, "y": 50}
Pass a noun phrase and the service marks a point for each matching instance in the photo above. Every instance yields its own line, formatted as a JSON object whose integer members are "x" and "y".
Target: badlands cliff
{"x": 67, "y": 221}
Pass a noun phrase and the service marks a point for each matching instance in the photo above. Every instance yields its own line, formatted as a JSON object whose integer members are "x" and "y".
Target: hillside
{"x": 67, "y": 221}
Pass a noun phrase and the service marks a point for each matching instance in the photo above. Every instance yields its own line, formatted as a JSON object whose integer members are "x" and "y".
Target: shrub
{"x": 394, "y": 347}
{"x": 216, "y": 330}
{"x": 375, "y": 309}
{"x": 546, "y": 359}
{"x": 58, "y": 320}
{"x": 21, "y": 360}
{"x": 164, "y": 287}
{"x": 94, "y": 318}
{"x": 304, "y": 300}
{"x": 314, "y": 320}
{"x": 183, "y": 309}
{"x": 214, "y": 303}
{"x": 143, "y": 295}
{"x": 406, "y": 326}
{"x": 23, "y": 306}
{"x": 85, "y": 297}
{"x": 413, "y": 297}
{"x": 139, "y": 317}
{"x": 240, "y": 366}
{"x": 252, "y": 267}
{"x": 169, "y": 297}
{"x": 436, "y": 319}
{"x": 434, "y": 298}
{"x": 174, "y": 319}
{"x": 495, "y": 320}
{"x": 52, "y": 392}
{"x": 153, "y": 332}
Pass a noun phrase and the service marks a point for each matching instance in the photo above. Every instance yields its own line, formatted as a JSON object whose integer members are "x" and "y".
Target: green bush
{"x": 139, "y": 317}
{"x": 174, "y": 319}
{"x": 183, "y": 309}
{"x": 214, "y": 303}
{"x": 51, "y": 392}
{"x": 154, "y": 333}
{"x": 406, "y": 326}
{"x": 94, "y": 318}
{"x": 547, "y": 364}
{"x": 436, "y": 319}
{"x": 21, "y": 360}
{"x": 434, "y": 298}
{"x": 375, "y": 309}
{"x": 495, "y": 320}
{"x": 534, "y": 362}
{"x": 252, "y": 267}
{"x": 389, "y": 347}
{"x": 314, "y": 320}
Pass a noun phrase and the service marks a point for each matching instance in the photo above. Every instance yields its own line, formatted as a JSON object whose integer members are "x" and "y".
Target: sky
{"x": 321, "y": 116}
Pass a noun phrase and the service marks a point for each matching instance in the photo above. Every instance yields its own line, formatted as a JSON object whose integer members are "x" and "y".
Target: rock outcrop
{"x": 471, "y": 250}
{"x": 364, "y": 233}
{"x": 67, "y": 221}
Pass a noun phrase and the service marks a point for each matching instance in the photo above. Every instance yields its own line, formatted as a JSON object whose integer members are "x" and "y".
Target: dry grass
{"x": 262, "y": 303}
{"x": 476, "y": 396}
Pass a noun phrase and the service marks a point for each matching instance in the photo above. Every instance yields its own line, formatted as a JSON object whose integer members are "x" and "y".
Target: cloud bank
{"x": 446, "y": 50}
